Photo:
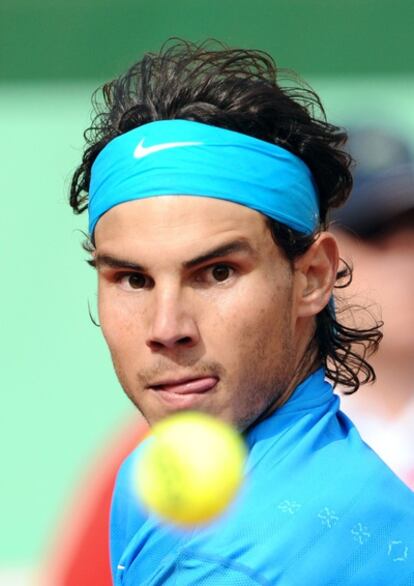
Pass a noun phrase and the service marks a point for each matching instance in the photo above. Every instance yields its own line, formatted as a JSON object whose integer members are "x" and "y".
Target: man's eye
{"x": 133, "y": 281}
{"x": 221, "y": 272}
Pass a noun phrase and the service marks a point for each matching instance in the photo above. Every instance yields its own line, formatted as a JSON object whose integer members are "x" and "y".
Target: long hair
{"x": 240, "y": 90}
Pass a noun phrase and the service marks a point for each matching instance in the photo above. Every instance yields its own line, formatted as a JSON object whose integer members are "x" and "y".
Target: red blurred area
{"x": 79, "y": 553}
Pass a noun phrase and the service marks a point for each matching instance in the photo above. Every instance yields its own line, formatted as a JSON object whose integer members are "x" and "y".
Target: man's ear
{"x": 315, "y": 275}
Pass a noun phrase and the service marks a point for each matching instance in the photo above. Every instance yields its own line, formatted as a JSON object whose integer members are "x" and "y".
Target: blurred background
{"x": 62, "y": 409}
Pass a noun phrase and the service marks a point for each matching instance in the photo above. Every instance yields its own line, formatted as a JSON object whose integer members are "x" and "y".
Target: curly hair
{"x": 240, "y": 90}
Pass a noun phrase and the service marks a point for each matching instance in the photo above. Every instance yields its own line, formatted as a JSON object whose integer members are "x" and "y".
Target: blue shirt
{"x": 318, "y": 507}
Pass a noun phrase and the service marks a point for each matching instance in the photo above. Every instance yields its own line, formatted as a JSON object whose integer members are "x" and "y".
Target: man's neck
{"x": 309, "y": 364}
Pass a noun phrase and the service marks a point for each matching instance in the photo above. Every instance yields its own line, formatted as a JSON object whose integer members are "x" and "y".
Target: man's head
{"x": 207, "y": 303}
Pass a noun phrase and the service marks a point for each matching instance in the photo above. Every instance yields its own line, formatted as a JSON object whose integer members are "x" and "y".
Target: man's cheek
{"x": 114, "y": 333}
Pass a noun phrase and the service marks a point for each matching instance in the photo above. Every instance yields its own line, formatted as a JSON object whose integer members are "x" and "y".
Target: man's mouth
{"x": 184, "y": 393}
{"x": 187, "y": 386}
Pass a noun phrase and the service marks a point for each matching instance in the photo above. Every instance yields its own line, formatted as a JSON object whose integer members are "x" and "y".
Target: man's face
{"x": 196, "y": 304}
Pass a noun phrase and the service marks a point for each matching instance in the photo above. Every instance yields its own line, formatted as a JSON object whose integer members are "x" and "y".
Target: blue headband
{"x": 179, "y": 157}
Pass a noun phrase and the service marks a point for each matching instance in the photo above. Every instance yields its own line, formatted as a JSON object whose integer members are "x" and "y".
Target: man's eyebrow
{"x": 107, "y": 260}
{"x": 112, "y": 262}
{"x": 223, "y": 250}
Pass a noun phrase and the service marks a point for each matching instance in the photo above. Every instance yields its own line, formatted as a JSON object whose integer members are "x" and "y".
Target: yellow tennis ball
{"x": 190, "y": 468}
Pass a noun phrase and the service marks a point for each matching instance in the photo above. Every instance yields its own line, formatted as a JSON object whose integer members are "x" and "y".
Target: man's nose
{"x": 172, "y": 323}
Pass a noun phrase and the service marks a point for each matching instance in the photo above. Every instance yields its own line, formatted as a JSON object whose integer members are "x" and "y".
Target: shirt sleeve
{"x": 126, "y": 515}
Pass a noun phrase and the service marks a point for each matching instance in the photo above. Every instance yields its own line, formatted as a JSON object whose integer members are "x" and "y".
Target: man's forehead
{"x": 178, "y": 217}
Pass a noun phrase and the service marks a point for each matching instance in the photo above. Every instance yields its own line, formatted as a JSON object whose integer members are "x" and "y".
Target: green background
{"x": 57, "y": 39}
{"x": 61, "y": 403}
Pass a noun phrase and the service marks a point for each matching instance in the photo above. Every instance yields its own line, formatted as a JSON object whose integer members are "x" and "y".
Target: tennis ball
{"x": 190, "y": 468}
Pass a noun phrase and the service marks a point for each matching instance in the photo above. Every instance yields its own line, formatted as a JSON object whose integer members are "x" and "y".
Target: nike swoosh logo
{"x": 141, "y": 151}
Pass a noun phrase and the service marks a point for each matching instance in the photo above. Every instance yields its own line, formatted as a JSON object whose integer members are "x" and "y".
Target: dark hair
{"x": 239, "y": 89}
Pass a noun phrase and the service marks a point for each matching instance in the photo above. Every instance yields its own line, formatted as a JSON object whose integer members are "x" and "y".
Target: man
{"x": 375, "y": 230}
{"x": 208, "y": 188}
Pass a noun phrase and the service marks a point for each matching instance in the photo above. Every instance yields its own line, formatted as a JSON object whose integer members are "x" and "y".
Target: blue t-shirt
{"x": 318, "y": 507}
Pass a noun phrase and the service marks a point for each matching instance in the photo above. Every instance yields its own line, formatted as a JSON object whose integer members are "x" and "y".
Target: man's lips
{"x": 186, "y": 386}
{"x": 185, "y": 393}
